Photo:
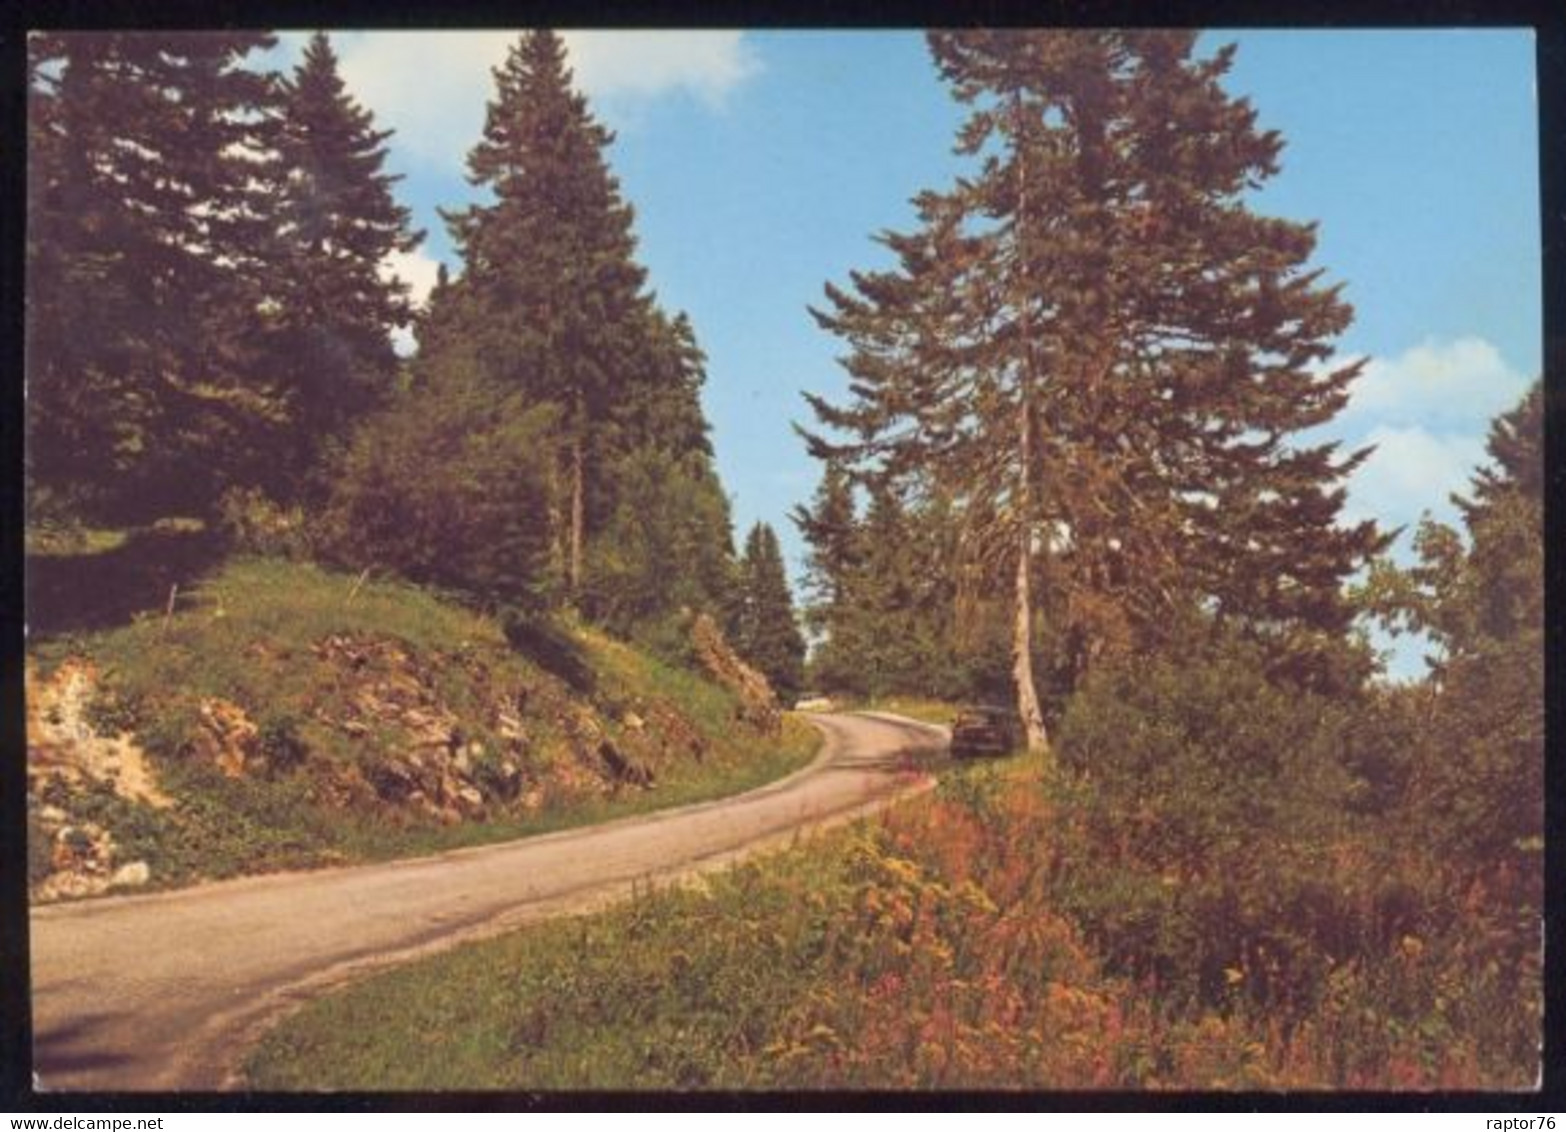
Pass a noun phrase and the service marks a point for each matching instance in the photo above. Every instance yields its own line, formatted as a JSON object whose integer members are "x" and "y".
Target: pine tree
{"x": 1098, "y": 353}
{"x": 147, "y": 237}
{"x": 829, "y": 526}
{"x": 333, "y": 311}
{"x": 768, "y": 635}
{"x": 1482, "y": 603}
{"x": 550, "y": 294}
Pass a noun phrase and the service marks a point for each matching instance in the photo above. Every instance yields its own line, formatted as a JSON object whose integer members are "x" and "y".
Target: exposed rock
{"x": 226, "y": 738}
{"x": 62, "y": 743}
{"x": 758, "y": 705}
{"x": 343, "y": 786}
{"x": 68, "y": 886}
{"x": 393, "y": 781}
{"x": 509, "y": 726}
{"x": 634, "y": 722}
{"x": 506, "y": 780}
{"x": 135, "y": 873}
{"x": 82, "y": 848}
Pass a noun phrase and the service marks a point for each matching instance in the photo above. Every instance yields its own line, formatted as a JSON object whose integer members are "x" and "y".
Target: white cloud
{"x": 1412, "y": 471}
{"x": 1427, "y": 411}
{"x": 415, "y": 269}
{"x": 404, "y": 342}
{"x": 1447, "y": 385}
{"x": 419, "y": 272}
{"x": 644, "y": 64}
{"x": 432, "y": 86}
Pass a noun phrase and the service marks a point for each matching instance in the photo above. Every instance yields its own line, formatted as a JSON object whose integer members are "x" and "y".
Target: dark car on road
{"x": 985, "y": 731}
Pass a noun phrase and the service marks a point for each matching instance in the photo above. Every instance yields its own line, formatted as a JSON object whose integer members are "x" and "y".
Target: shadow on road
{"x": 70, "y": 1048}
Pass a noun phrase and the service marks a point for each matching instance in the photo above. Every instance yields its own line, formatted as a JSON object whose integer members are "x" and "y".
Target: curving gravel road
{"x": 166, "y": 991}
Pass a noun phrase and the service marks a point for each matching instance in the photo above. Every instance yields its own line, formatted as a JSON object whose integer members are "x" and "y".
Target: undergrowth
{"x": 1157, "y": 910}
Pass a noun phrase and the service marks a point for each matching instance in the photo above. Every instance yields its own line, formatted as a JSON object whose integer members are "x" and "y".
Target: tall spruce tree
{"x": 664, "y": 542}
{"x": 828, "y": 525}
{"x": 768, "y": 635}
{"x": 333, "y": 310}
{"x": 550, "y": 295}
{"x": 149, "y": 162}
{"x": 1099, "y": 354}
{"x": 1482, "y": 602}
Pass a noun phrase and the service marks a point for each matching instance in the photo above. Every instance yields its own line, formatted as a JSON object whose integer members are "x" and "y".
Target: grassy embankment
{"x": 1023, "y": 927}
{"x": 328, "y": 679}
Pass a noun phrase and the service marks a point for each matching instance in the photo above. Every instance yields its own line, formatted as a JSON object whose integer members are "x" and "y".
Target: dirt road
{"x": 165, "y": 991}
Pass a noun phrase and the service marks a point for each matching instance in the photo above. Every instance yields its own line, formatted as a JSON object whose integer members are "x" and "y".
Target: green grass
{"x": 677, "y": 988}
{"x": 914, "y": 707}
{"x": 250, "y": 632}
{"x": 932, "y": 947}
{"x": 49, "y": 541}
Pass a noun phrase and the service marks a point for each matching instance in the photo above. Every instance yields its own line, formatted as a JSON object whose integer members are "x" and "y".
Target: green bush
{"x": 280, "y": 742}
{"x": 1209, "y": 799}
{"x": 255, "y": 524}
{"x": 448, "y": 487}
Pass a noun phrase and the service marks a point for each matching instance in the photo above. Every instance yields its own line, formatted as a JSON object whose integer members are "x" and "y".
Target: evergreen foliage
{"x": 1481, "y": 600}
{"x": 550, "y": 297}
{"x": 448, "y": 486}
{"x": 149, "y": 161}
{"x": 619, "y": 511}
{"x": 551, "y": 304}
{"x": 767, "y": 634}
{"x": 665, "y": 549}
{"x": 332, "y": 310}
{"x": 1099, "y": 354}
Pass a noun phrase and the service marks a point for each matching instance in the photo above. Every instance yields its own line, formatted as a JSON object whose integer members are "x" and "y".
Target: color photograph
{"x": 719, "y": 560}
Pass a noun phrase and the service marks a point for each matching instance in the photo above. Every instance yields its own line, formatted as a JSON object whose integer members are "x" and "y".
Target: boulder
{"x": 135, "y": 873}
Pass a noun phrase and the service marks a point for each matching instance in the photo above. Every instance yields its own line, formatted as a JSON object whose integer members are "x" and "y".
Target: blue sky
{"x": 761, "y": 164}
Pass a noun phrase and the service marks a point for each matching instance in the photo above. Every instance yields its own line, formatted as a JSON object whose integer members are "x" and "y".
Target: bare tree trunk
{"x": 1022, "y": 612}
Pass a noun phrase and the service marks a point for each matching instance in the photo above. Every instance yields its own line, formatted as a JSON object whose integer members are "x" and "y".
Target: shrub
{"x": 448, "y": 487}
{"x": 255, "y": 524}
{"x": 1208, "y": 804}
{"x": 280, "y": 742}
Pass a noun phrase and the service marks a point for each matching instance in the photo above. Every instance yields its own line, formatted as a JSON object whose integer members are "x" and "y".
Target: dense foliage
{"x": 448, "y": 486}
{"x": 1098, "y": 358}
{"x": 958, "y": 942}
{"x": 766, "y": 632}
{"x": 1482, "y": 602}
{"x": 1225, "y": 880}
{"x": 330, "y": 306}
{"x": 150, "y": 162}
{"x": 551, "y": 309}
{"x": 210, "y": 319}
